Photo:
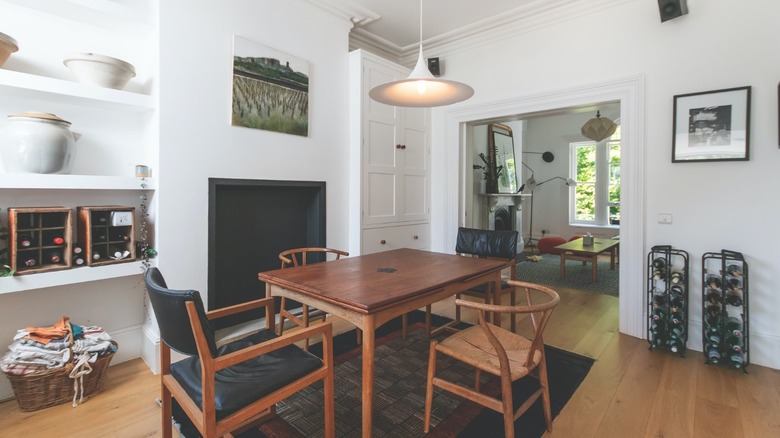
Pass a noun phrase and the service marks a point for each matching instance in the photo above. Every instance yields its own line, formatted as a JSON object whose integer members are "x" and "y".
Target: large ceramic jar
{"x": 37, "y": 143}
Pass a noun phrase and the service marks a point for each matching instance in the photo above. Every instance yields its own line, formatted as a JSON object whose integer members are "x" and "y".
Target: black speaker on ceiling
{"x": 672, "y": 9}
{"x": 433, "y": 66}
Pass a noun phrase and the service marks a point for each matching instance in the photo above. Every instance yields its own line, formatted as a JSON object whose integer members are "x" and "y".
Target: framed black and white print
{"x": 712, "y": 126}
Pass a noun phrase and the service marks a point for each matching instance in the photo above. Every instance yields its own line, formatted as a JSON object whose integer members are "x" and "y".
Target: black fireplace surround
{"x": 250, "y": 223}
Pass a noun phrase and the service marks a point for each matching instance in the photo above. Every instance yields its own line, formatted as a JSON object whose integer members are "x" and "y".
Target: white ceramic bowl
{"x": 8, "y": 45}
{"x": 101, "y": 70}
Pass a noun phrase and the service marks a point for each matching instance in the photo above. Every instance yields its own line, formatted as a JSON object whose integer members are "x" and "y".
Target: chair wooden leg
{"x": 167, "y": 413}
{"x": 281, "y": 316}
{"x": 545, "y": 393}
{"x": 328, "y": 386}
{"x": 305, "y": 324}
{"x": 477, "y": 378}
{"x": 513, "y": 316}
{"x": 429, "y": 386}
{"x": 509, "y": 414}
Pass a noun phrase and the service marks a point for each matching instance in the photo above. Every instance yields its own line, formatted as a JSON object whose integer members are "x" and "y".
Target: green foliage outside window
{"x": 587, "y": 155}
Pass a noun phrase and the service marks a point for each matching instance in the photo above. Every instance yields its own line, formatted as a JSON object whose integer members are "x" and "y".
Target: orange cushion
{"x": 547, "y": 245}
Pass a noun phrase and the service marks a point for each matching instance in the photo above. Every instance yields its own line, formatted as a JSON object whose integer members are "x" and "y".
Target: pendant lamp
{"x": 598, "y": 128}
{"x": 421, "y": 88}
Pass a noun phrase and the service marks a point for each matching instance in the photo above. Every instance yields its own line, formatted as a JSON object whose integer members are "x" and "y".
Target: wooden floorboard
{"x": 631, "y": 391}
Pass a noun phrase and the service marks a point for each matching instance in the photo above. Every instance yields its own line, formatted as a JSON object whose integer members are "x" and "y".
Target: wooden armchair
{"x": 502, "y": 353}
{"x": 300, "y": 257}
{"x": 492, "y": 244}
{"x": 233, "y": 387}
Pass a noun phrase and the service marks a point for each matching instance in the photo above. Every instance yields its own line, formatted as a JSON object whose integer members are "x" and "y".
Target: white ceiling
{"x": 396, "y": 23}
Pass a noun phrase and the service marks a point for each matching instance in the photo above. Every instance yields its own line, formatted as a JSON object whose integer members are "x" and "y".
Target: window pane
{"x": 614, "y": 182}
{"x": 585, "y": 192}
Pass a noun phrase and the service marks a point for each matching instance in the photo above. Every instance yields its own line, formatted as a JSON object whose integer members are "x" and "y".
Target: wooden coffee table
{"x": 575, "y": 250}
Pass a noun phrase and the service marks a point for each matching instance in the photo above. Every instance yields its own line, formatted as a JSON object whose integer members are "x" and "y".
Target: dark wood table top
{"x": 599, "y": 245}
{"x": 370, "y": 283}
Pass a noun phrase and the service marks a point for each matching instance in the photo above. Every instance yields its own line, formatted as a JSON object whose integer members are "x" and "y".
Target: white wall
{"x": 719, "y": 44}
{"x": 198, "y": 142}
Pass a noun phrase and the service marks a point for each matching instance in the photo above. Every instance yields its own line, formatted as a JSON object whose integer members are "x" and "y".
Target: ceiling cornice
{"x": 352, "y": 11}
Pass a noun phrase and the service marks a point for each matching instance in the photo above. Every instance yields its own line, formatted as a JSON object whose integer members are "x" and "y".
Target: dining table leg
{"x": 368, "y": 374}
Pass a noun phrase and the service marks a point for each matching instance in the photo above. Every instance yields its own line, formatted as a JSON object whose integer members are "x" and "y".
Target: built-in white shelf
{"x": 108, "y": 14}
{"x": 25, "y": 85}
{"x": 20, "y": 283}
{"x": 74, "y": 182}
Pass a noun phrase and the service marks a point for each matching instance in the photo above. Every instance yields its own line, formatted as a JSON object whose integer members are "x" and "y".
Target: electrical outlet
{"x": 665, "y": 218}
{"x": 544, "y": 232}
{"x": 121, "y": 218}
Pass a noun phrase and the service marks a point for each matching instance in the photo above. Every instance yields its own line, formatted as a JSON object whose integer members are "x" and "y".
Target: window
{"x": 596, "y": 168}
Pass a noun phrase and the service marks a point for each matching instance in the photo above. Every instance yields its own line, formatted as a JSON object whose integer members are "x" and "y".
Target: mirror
{"x": 501, "y": 155}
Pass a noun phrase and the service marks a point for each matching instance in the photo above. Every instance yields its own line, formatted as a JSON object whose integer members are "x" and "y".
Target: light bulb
{"x": 421, "y": 87}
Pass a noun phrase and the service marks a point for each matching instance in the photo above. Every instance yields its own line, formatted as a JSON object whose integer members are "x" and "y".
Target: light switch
{"x": 665, "y": 218}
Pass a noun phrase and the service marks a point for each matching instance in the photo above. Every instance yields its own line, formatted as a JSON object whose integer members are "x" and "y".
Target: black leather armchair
{"x": 235, "y": 386}
{"x": 493, "y": 244}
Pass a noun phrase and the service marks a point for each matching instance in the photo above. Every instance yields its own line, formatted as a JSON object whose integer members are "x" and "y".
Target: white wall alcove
{"x": 629, "y": 91}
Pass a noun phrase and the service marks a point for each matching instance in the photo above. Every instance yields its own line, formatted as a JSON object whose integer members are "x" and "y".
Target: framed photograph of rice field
{"x": 712, "y": 126}
{"x": 270, "y": 89}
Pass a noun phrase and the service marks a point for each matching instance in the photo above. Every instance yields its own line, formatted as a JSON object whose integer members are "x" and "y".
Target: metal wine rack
{"x": 667, "y": 298}
{"x": 725, "y": 322}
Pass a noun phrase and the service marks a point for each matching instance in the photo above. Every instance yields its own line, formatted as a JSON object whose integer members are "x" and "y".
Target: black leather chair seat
{"x": 244, "y": 383}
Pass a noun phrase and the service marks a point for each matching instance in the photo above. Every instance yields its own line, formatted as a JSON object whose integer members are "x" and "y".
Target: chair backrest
{"x": 539, "y": 313}
{"x": 302, "y": 256}
{"x": 487, "y": 243}
{"x": 170, "y": 309}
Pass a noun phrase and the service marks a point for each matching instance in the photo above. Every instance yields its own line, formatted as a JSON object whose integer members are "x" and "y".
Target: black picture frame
{"x": 712, "y": 126}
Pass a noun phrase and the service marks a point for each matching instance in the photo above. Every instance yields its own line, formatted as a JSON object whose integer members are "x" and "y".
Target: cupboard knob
{"x": 382, "y": 241}
{"x": 398, "y": 146}
{"x": 403, "y": 146}
{"x": 416, "y": 237}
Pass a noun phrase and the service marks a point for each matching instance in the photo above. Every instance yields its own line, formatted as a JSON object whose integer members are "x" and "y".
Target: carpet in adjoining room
{"x": 547, "y": 271}
{"x": 399, "y": 392}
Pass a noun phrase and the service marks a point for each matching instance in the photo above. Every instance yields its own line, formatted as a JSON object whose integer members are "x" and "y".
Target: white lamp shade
{"x": 598, "y": 128}
{"x": 421, "y": 89}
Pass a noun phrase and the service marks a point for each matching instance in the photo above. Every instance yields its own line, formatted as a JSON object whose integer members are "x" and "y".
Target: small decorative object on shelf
{"x": 667, "y": 298}
{"x": 144, "y": 249}
{"x": 39, "y": 237}
{"x": 725, "y": 331}
{"x": 107, "y": 234}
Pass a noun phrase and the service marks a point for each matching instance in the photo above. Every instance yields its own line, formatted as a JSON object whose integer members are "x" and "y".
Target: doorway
{"x": 458, "y": 128}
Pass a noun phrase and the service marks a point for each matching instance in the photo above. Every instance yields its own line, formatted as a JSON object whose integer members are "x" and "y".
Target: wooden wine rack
{"x": 107, "y": 235}
{"x": 40, "y": 239}
{"x": 725, "y": 304}
{"x": 667, "y": 298}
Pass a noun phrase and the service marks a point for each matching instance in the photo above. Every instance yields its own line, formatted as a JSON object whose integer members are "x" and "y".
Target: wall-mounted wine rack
{"x": 107, "y": 234}
{"x": 725, "y": 310}
{"x": 40, "y": 239}
{"x": 667, "y": 298}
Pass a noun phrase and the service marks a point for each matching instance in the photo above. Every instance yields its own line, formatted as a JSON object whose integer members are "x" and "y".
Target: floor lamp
{"x": 528, "y": 187}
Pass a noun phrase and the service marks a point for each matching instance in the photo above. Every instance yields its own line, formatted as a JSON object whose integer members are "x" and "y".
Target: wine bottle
{"x": 737, "y": 359}
{"x": 96, "y": 255}
{"x": 713, "y": 296}
{"x": 677, "y": 332}
{"x": 78, "y": 260}
{"x": 658, "y": 274}
{"x": 733, "y": 285}
{"x": 734, "y": 325}
{"x": 677, "y": 290}
{"x": 658, "y": 300}
{"x": 25, "y": 241}
{"x": 677, "y": 277}
{"x": 713, "y": 309}
{"x": 54, "y": 257}
{"x": 712, "y": 321}
{"x": 734, "y": 270}
{"x": 713, "y": 281}
{"x": 77, "y": 249}
{"x": 30, "y": 263}
{"x": 734, "y": 341}
{"x": 659, "y": 263}
{"x": 713, "y": 338}
{"x": 733, "y": 299}
{"x": 57, "y": 240}
{"x": 713, "y": 355}
{"x": 676, "y": 302}
{"x": 676, "y": 345}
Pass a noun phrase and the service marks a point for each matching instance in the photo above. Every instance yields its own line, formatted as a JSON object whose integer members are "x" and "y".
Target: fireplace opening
{"x": 250, "y": 223}
{"x": 504, "y": 220}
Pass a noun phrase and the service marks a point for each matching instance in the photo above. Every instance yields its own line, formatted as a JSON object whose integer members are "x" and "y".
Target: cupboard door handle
{"x": 398, "y": 146}
{"x": 416, "y": 237}
{"x": 403, "y": 146}
{"x": 382, "y": 242}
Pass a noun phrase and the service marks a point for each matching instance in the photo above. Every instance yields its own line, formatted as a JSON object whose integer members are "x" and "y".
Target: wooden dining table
{"x": 370, "y": 290}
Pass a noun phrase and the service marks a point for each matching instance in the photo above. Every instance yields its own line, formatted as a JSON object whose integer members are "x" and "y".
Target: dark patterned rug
{"x": 399, "y": 392}
{"x": 547, "y": 271}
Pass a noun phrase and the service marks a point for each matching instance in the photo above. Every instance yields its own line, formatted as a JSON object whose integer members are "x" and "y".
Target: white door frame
{"x": 629, "y": 91}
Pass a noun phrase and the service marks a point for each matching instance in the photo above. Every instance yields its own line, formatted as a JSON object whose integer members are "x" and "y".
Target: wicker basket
{"x": 53, "y": 387}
